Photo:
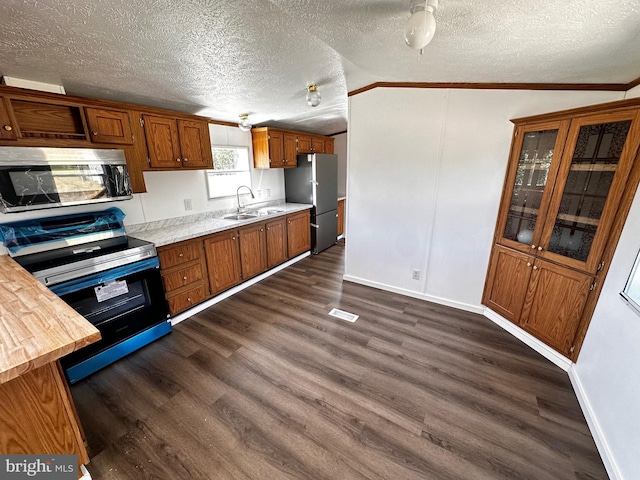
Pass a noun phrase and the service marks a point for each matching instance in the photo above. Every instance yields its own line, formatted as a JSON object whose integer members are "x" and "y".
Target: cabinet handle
{"x": 535, "y": 267}
{"x": 8, "y": 128}
{"x": 233, "y": 238}
{"x": 184, "y": 278}
{"x": 528, "y": 264}
{"x": 539, "y": 249}
{"x": 94, "y": 133}
{"x": 185, "y": 159}
{"x": 189, "y": 299}
{"x": 533, "y": 246}
{"x": 177, "y": 159}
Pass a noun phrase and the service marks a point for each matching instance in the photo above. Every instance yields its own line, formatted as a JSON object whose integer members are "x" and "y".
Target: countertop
{"x": 170, "y": 231}
{"x": 36, "y": 327}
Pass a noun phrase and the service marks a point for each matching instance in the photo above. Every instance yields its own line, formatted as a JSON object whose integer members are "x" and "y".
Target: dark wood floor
{"x": 265, "y": 385}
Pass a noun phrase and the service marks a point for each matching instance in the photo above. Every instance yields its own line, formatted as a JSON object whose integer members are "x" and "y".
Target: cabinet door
{"x": 8, "y": 130}
{"x": 340, "y": 217}
{"x": 554, "y": 302}
{"x": 534, "y": 163}
{"x": 596, "y": 164}
{"x": 290, "y": 146}
{"x": 317, "y": 145}
{"x": 108, "y": 126}
{"x": 328, "y": 145}
{"x": 507, "y": 280}
{"x": 253, "y": 250}
{"x": 195, "y": 145}
{"x": 276, "y": 150}
{"x": 304, "y": 144}
{"x": 276, "y": 242}
{"x": 298, "y": 233}
{"x": 162, "y": 142}
{"x": 223, "y": 261}
{"x": 185, "y": 300}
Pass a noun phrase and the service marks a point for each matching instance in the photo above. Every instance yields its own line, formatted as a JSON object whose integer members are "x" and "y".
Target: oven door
{"x": 121, "y": 303}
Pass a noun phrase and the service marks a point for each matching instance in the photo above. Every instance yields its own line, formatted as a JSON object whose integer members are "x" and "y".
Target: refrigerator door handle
{"x": 315, "y": 225}
{"x": 314, "y": 182}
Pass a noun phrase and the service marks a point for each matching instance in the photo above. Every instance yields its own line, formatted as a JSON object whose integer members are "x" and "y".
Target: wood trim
{"x": 223, "y": 123}
{"x": 337, "y": 133}
{"x": 615, "y": 87}
{"x": 609, "y": 107}
{"x": 633, "y": 83}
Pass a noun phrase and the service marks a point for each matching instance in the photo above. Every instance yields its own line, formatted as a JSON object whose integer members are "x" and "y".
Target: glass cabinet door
{"x": 590, "y": 183}
{"x": 537, "y": 149}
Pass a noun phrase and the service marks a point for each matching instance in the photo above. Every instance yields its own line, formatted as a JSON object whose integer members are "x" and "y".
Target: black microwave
{"x": 32, "y": 178}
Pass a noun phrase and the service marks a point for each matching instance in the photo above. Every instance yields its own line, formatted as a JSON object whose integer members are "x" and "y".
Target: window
{"x": 231, "y": 169}
{"x": 631, "y": 292}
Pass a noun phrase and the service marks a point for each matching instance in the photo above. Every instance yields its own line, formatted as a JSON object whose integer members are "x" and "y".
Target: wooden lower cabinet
{"x": 37, "y": 415}
{"x": 298, "y": 233}
{"x": 340, "y": 217}
{"x": 553, "y": 306}
{"x": 253, "y": 250}
{"x": 184, "y": 274}
{"x": 544, "y": 299}
{"x": 223, "y": 260}
{"x": 276, "y": 242}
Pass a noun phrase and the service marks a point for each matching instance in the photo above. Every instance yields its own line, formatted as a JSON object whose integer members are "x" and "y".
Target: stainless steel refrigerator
{"x": 315, "y": 181}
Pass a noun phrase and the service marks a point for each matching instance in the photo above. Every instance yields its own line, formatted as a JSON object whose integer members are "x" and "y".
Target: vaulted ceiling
{"x": 227, "y": 57}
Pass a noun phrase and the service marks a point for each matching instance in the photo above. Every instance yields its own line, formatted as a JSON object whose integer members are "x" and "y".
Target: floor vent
{"x": 342, "y": 315}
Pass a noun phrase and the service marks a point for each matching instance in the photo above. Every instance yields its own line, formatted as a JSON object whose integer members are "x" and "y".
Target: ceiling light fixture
{"x": 313, "y": 95}
{"x": 421, "y": 25}
{"x": 244, "y": 124}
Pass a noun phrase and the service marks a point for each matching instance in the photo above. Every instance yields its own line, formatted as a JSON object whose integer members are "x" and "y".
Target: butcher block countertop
{"x": 36, "y": 327}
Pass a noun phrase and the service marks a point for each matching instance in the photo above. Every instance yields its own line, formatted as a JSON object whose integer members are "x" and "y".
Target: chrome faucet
{"x": 238, "y": 195}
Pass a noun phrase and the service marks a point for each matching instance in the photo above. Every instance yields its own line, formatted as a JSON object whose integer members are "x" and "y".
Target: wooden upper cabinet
{"x": 195, "y": 145}
{"x": 298, "y": 233}
{"x": 304, "y": 144}
{"x": 598, "y": 157}
{"x": 162, "y": 142}
{"x": 276, "y": 149}
{"x": 328, "y": 145}
{"x": 317, "y": 145}
{"x": 8, "y": 125}
{"x": 253, "y": 250}
{"x": 273, "y": 148}
{"x": 108, "y": 126}
{"x": 177, "y": 144}
{"x": 276, "y": 241}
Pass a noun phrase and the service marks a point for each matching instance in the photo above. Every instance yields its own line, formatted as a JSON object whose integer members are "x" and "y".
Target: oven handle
{"x": 96, "y": 279}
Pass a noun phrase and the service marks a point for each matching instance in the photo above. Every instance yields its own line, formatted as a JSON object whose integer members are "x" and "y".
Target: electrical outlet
{"x": 187, "y": 204}
{"x": 259, "y": 193}
{"x": 415, "y": 274}
{"x": 268, "y": 192}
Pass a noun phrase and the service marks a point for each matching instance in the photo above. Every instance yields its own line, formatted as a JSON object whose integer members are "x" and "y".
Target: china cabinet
{"x": 569, "y": 184}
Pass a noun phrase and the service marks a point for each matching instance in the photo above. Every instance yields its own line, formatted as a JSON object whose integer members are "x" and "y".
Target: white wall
{"x": 425, "y": 174}
{"x": 166, "y": 191}
{"x": 340, "y": 149}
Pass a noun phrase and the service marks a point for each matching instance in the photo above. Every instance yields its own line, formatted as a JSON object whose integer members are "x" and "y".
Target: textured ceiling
{"x": 222, "y": 58}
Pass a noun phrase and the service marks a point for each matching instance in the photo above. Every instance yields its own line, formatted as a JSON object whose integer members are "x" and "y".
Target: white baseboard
{"x": 531, "y": 341}
{"x": 232, "y": 291}
{"x": 410, "y": 293}
{"x": 594, "y": 426}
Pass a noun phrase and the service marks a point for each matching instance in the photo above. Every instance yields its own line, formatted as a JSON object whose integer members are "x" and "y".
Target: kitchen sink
{"x": 240, "y": 216}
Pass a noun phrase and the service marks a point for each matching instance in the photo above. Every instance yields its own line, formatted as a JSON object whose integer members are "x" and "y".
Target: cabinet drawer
{"x": 188, "y": 299}
{"x": 182, "y": 277}
{"x": 176, "y": 255}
